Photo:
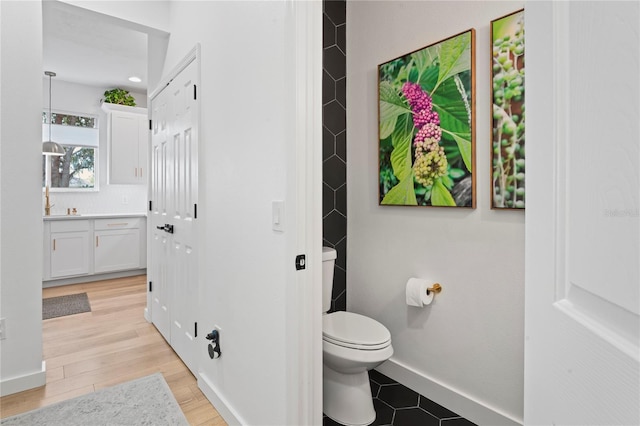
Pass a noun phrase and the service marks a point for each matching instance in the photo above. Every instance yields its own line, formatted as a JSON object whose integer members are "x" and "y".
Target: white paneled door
{"x": 582, "y": 316}
{"x": 174, "y": 192}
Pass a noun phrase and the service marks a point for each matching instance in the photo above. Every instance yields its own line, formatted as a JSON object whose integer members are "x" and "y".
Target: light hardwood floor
{"x": 111, "y": 344}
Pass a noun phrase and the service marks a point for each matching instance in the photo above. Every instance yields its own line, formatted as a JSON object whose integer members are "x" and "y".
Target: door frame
{"x": 304, "y": 315}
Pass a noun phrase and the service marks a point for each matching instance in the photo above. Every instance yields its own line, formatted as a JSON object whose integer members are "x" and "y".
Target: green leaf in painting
{"x": 429, "y": 78}
{"x": 447, "y": 181}
{"x": 452, "y": 108}
{"x": 455, "y": 57}
{"x": 387, "y": 126}
{"x": 440, "y": 196}
{"x": 391, "y": 106}
{"x": 423, "y": 60}
{"x": 401, "y": 141}
{"x": 402, "y": 194}
{"x": 456, "y": 173}
{"x": 464, "y": 145}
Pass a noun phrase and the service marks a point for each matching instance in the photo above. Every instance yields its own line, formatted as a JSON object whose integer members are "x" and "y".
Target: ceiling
{"x": 85, "y": 47}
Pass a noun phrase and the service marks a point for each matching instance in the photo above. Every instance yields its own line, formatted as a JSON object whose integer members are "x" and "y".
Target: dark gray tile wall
{"x": 334, "y": 144}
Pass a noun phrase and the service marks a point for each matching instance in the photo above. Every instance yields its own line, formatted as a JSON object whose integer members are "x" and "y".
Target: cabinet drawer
{"x": 69, "y": 225}
{"x": 118, "y": 223}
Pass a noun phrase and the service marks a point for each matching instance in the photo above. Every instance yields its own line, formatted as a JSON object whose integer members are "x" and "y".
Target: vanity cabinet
{"x": 128, "y": 138}
{"x": 85, "y": 247}
{"x": 69, "y": 248}
{"x": 117, "y": 244}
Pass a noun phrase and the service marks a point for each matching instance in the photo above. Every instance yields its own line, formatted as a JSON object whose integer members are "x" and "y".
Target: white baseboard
{"x": 146, "y": 315}
{"x": 91, "y": 278}
{"x": 466, "y": 406}
{"x": 219, "y": 402}
{"x": 24, "y": 382}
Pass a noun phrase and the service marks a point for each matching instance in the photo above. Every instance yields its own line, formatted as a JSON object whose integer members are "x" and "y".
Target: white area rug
{"x": 145, "y": 401}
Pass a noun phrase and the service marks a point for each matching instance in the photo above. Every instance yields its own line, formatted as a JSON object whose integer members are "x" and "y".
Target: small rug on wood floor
{"x": 60, "y": 306}
{"x": 145, "y": 401}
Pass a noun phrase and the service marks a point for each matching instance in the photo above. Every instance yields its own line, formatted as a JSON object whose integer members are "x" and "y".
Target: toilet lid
{"x": 354, "y": 330}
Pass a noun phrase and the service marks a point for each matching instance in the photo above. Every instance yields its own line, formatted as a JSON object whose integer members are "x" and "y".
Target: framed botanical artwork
{"x": 508, "y": 112}
{"x": 426, "y": 124}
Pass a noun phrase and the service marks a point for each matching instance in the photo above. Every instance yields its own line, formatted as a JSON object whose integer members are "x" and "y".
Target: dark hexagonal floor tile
{"x": 437, "y": 410}
{"x": 398, "y": 396}
{"x": 380, "y": 378}
{"x": 414, "y": 417}
{"x": 326, "y": 421}
{"x": 375, "y": 388}
{"x": 384, "y": 413}
{"x": 457, "y": 422}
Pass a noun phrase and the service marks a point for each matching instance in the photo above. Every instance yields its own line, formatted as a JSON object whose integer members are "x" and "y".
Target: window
{"x": 78, "y": 134}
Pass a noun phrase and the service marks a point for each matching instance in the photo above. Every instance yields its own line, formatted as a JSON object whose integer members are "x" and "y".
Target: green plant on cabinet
{"x": 119, "y": 97}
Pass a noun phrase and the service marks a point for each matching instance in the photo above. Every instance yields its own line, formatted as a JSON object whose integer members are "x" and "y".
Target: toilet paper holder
{"x": 436, "y": 288}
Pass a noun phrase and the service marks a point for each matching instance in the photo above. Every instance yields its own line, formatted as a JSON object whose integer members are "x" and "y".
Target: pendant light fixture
{"x": 50, "y": 147}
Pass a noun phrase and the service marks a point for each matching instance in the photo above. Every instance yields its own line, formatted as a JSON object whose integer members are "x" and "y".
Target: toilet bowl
{"x": 352, "y": 344}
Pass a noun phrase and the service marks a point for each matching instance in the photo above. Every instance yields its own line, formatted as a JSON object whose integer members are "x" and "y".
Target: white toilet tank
{"x": 328, "y": 261}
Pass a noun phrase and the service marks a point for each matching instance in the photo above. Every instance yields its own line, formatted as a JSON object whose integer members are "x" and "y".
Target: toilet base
{"x": 347, "y": 397}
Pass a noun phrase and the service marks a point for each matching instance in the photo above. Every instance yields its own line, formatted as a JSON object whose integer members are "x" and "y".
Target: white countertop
{"x": 92, "y": 216}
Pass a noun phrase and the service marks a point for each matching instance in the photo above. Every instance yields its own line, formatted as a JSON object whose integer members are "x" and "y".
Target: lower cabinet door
{"x": 116, "y": 250}
{"x": 69, "y": 253}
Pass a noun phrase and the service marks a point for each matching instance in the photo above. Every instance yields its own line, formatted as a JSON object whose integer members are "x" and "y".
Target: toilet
{"x": 352, "y": 344}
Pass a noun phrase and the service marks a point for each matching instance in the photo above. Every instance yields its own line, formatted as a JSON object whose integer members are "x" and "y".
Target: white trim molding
{"x": 24, "y": 382}
{"x": 228, "y": 413}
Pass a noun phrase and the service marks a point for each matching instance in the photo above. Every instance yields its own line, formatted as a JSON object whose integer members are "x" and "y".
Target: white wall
{"x": 466, "y": 349}
{"x": 21, "y": 365}
{"x": 80, "y": 98}
{"x": 247, "y": 123}
{"x": 151, "y": 14}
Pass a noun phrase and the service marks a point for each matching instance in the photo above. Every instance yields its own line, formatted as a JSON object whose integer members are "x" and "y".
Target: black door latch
{"x": 166, "y": 228}
{"x": 301, "y": 262}
{"x": 214, "y": 346}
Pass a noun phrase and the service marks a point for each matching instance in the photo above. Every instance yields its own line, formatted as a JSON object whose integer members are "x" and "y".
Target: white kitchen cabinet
{"x": 88, "y": 248}
{"x": 69, "y": 245}
{"x": 117, "y": 244}
{"x": 128, "y": 138}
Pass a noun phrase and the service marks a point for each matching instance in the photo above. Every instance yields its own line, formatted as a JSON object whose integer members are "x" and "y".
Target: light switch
{"x": 277, "y": 217}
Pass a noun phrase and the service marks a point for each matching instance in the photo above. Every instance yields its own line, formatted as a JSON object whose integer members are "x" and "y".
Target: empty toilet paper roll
{"x": 417, "y": 292}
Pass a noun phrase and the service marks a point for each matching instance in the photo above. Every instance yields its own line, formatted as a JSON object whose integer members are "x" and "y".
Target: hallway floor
{"x": 111, "y": 344}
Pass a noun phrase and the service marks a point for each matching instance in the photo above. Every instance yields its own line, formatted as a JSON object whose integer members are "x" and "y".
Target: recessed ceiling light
{"x": 135, "y": 79}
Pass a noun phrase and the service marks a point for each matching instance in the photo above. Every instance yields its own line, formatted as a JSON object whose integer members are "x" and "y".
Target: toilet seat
{"x": 354, "y": 331}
